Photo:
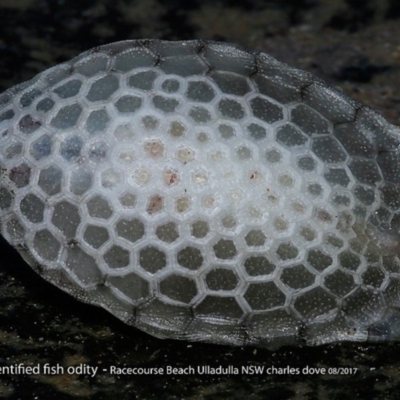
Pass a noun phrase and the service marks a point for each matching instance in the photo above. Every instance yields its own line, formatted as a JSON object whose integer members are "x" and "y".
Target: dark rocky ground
{"x": 353, "y": 44}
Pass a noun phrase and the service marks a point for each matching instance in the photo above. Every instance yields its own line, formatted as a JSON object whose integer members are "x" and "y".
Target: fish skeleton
{"x": 201, "y": 191}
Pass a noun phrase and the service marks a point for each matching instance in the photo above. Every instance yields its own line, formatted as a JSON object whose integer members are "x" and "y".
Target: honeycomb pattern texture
{"x": 200, "y": 191}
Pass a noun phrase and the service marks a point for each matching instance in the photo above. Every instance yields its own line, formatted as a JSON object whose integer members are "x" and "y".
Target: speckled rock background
{"x": 353, "y": 44}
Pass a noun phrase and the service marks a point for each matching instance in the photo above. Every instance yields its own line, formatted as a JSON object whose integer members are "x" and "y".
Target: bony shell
{"x": 200, "y": 191}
